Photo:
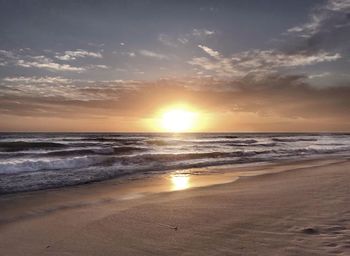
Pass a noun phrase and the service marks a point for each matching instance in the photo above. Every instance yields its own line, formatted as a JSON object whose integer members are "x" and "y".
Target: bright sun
{"x": 178, "y": 120}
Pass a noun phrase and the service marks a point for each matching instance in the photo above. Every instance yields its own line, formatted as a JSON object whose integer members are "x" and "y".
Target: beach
{"x": 174, "y": 128}
{"x": 292, "y": 208}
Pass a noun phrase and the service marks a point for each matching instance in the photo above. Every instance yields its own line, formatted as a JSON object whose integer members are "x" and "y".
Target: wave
{"x": 311, "y": 151}
{"x": 128, "y": 149}
{"x": 228, "y": 136}
{"x": 330, "y": 144}
{"x": 46, "y": 160}
{"x": 114, "y": 138}
{"x": 146, "y": 158}
{"x": 23, "y": 145}
{"x": 78, "y": 152}
{"x": 65, "y": 162}
{"x": 202, "y": 141}
{"x": 255, "y": 145}
{"x": 29, "y": 165}
{"x": 68, "y": 177}
{"x": 293, "y": 139}
{"x": 77, "y": 159}
{"x": 159, "y": 142}
{"x": 121, "y": 150}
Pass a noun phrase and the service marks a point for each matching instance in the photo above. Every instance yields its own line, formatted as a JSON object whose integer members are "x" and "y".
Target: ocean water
{"x": 32, "y": 161}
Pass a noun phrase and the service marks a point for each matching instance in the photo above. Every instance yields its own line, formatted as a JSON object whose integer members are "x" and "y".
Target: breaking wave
{"x": 36, "y": 161}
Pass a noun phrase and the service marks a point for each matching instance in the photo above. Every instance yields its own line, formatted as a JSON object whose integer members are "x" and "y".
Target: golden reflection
{"x": 180, "y": 181}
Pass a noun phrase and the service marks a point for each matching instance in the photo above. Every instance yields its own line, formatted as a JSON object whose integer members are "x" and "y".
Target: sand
{"x": 295, "y": 209}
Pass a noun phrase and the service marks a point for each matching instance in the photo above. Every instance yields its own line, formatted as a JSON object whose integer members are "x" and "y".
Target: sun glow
{"x": 178, "y": 120}
{"x": 180, "y": 182}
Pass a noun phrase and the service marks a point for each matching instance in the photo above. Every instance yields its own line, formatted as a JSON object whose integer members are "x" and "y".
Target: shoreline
{"x": 205, "y": 169}
{"x": 131, "y": 187}
{"x": 86, "y": 205}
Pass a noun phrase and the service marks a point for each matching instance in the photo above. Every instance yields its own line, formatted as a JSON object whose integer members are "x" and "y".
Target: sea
{"x": 35, "y": 161}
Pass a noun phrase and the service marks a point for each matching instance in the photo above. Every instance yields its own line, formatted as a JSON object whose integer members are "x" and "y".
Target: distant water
{"x": 37, "y": 160}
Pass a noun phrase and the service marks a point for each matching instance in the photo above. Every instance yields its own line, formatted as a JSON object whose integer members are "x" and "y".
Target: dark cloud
{"x": 328, "y": 28}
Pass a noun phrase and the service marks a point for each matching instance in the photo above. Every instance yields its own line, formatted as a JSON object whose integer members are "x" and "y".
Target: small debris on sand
{"x": 310, "y": 231}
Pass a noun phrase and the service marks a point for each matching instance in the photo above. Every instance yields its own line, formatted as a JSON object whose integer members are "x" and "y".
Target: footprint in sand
{"x": 310, "y": 231}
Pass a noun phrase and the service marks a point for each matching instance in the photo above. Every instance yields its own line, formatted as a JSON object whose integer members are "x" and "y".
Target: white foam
{"x": 30, "y": 165}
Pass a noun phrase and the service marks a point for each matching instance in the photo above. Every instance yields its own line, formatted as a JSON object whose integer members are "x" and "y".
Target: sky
{"x": 244, "y": 66}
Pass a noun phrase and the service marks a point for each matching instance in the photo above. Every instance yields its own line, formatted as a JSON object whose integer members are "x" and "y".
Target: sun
{"x": 178, "y": 120}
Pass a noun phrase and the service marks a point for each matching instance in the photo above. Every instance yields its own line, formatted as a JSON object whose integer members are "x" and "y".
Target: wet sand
{"x": 297, "y": 208}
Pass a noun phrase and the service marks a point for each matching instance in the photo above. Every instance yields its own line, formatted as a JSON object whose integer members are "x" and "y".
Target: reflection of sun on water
{"x": 180, "y": 182}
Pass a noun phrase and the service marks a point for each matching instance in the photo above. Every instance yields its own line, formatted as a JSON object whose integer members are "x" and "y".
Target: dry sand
{"x": 304, "y": 210}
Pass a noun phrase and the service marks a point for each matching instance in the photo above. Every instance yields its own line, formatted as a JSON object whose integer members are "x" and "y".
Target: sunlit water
{"x": 180, "y": 181}
{"x": 37, "y": 161}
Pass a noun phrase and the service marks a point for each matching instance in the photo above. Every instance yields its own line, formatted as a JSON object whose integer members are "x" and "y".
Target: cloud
{"x": 8, "y": 54}
{"x": 167, "y": 40}
{"x": 98, "y": 66}
{"x": 209, "y": 51}
{"x": 274, "y": 97}
{"x": 328, "y": 28}
{"x": 79, "y": 53}
{"x": 222, "y": 67}
{"x": 43, "y": 62}
{"x": 332, "y": 10}
{"x": 130, "y": 54}
{"x": 263, "y": 61}
{"x": 182, "y": 40}
{"x": 61, "y": 89}
{"x": 321, "y": 75}
{"x": 338, "y": 5}
{"x": 36, "y": 80}
{"x": 275, "y": 59}
{"x": 151, "y": 54}
{"x": 202, "y": 32}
